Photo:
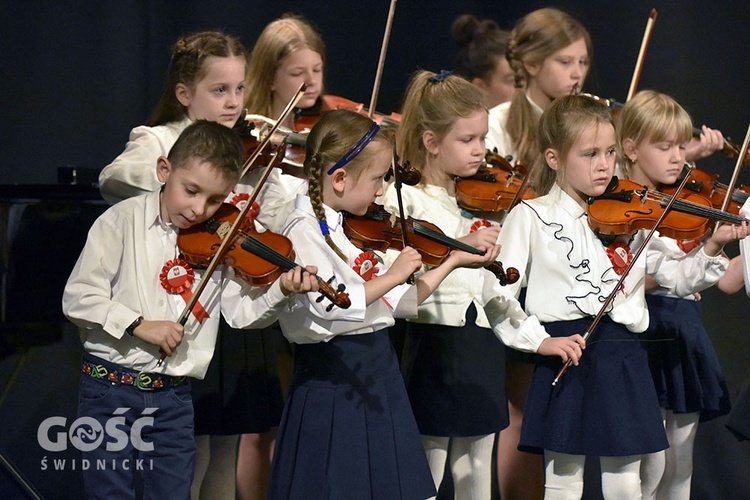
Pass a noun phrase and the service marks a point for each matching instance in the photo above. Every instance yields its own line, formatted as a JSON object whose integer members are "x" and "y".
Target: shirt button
{"x": 161, "y": 302}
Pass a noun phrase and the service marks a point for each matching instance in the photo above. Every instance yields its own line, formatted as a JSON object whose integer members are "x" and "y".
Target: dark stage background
{"x": 77, "y": 76}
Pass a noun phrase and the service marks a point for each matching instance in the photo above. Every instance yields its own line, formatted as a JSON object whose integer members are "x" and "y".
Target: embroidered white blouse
{"x": 569, "y": 275}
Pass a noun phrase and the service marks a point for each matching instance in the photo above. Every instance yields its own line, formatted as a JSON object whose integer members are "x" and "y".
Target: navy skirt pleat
{"x": 605, "y": 406}
{"x": 684, "y": 364}
{"x": 347, "y": 430}
{"x": 455, "y": 378}
{"x": 241, "y": 391}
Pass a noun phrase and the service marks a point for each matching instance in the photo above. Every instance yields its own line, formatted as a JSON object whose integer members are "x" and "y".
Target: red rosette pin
{"x": 366, "y": 265}
{"x": 240, "y": 200}
{"x": 177, "y": 278}
{"x": 479, "y": 224}
{"x": 687, "y": 246}
{"x": 620, "y": 256}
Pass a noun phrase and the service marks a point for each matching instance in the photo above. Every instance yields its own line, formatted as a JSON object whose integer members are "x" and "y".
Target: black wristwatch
{"x": 130, "y": 329}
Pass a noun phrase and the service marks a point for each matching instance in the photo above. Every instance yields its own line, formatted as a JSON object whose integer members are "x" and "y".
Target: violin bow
{"x": 736, "y": 173}
{"x": 642, "y": 54}
{"x": 397, "y": 185}
{"x": 519, "y": 194}
{"x": 381, "y": 60}
{"x": 625, "y": 273}
{"x": 234, "y": 229}
{"x": 267, "y": 139}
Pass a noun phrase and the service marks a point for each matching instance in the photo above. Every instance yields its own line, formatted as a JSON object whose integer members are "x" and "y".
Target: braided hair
{"x": 333, "y": 137}
{"x": 534, "y": 38}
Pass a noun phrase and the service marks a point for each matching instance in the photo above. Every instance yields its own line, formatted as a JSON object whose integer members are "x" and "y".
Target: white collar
{"x": 333, "y": 218}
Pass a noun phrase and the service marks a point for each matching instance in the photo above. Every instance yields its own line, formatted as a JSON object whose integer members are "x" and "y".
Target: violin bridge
{"x": 393, "y": 220}
{"x": 223, "y": 230}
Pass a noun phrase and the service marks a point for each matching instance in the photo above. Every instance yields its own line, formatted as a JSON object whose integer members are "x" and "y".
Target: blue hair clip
{"x": 440, "y": 77}
{"x": 324, "y": 228}
{"x": 356, "y": 149}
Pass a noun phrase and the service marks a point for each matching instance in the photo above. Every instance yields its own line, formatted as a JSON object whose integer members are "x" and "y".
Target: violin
{"x": 626, "y": 207}
{"x": 494, "y": 187}
{"x": 379, "y": 230}
{"x": 258, "y": 258}
{"x": 707, "y": 185}
{"x": 290, "y": 148}
{"x": 306, "y": 118}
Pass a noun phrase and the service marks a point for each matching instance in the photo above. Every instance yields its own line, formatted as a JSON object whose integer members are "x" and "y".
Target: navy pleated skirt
{"x": 241, "y": 392}
{"x": 684, "y": 364}
{"x": 605, "y": 406}
{"x": 455, "y": 378}
{"x": 347, "y": 430}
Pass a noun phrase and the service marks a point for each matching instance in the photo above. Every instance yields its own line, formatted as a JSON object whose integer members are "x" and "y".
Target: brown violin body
{"x": 379, "y": 230}
{"x": 288, "y": 156}
{"x": 627, "y": 207}
{"x": 307, "y": 118}
{"x": 494, "y": 187}
{"x": 199, "y": 243}
{"x": 259, "y": 258}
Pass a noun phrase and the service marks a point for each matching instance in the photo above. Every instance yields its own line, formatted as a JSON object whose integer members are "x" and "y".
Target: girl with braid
{"x": 347, "y": 430}
{"x": 549, "y": 52}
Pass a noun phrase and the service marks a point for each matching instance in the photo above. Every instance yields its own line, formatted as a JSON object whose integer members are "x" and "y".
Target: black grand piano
{"x": 43, "y": 228}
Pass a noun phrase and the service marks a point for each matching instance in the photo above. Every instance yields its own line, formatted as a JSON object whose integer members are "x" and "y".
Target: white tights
{"x": 563, "y": 478}
{"x": 667, "y": 474}
{"x": 470, "y": 463}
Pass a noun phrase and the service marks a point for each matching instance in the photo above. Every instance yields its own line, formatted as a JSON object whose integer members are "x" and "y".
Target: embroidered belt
{"x": 142, "y": 380}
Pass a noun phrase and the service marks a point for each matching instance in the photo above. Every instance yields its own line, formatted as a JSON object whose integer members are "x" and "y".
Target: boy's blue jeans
{"x": 144, "y": 432}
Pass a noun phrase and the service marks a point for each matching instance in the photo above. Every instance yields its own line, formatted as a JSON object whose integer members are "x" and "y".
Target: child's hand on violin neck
{"x": 465, "y": 259}
{"x": 408, "y": 262}
{"x": 483, "y": 238}
{"x": 705, "y": 145}
{"x": 299, "y": 280}
{"x": 726, "y": 233}
{"x": 165, "y": 334}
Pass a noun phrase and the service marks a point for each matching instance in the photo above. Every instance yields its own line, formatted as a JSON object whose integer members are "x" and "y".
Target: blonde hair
{"x": 278, "y": 40}
{"x": 559, "y": 127}
{"x": 433, "y": 102}
{"x": 651, "y": 116}
{"x": 534, "y": 38}
{"x": 187, "y": 66}
{"x": 332, "y": 137}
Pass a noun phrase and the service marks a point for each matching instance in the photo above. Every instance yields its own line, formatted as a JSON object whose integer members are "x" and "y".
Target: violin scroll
{"x": 405, "y": 173}
{"x": 511, "y": 275}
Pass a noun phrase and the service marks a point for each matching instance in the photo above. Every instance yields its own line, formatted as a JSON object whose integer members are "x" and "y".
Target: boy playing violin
{"x": 128, "y": 284}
